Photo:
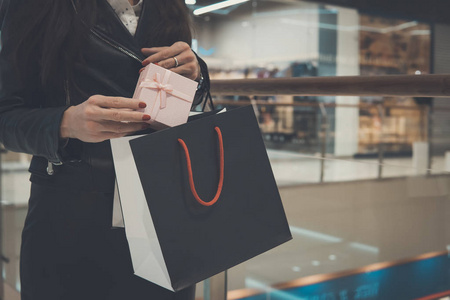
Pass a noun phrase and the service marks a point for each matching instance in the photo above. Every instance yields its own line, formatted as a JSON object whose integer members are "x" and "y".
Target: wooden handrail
{"x": 386, "y": 85}
{"x": 317, "y": 104}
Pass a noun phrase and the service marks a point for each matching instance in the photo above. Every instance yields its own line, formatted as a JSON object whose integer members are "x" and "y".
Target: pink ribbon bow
{"x": 161, "y": 85}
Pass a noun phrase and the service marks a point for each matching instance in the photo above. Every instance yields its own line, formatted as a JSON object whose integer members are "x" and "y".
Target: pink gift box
{"x": 168, "y": 96}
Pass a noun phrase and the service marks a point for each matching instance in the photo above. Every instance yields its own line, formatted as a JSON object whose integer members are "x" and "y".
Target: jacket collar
{"x": 109, "y": 24}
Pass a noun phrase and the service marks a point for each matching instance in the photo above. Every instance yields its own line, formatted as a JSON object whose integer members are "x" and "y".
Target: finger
{"x": 122, "y": 115}
{"x": 120, "y": 127}
{"x": 183, "y": 58}
{"x": 160, "y": 56}
{"x": 170, "y": 63}
{"x": 171, "y": 51}
{"x": 117, "y": 102}
{"x": 153, "y": 50}
{"x": 188, "y": 67}
{"x": 188, "y": 71}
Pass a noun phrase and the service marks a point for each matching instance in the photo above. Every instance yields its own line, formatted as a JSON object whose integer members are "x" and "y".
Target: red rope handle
{"x": 191, "y": 176}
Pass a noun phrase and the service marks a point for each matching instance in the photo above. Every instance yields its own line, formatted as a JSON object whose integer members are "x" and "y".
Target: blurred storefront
{"x": 263, "y": 39}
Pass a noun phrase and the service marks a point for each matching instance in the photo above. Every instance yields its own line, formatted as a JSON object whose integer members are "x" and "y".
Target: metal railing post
{"x": 429, "y": 138}
{"x": 1, "y": 228}
{"x": 216, "y": 287}
{"x": 380, "y": 109}
{"x": 324, "y": 131}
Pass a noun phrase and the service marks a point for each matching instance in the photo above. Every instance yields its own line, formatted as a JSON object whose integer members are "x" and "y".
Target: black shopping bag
{"x": 211, "y": 194}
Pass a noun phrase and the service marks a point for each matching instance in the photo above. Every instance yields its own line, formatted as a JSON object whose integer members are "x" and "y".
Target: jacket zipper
{"x": 120, "y": 48}
{"x": 50, "y": 169}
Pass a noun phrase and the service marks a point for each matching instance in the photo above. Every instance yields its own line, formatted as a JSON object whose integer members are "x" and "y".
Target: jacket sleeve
{"x": 25, "y": 125}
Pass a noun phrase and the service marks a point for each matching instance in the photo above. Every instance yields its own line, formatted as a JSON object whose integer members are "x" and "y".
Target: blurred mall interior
{"x": 364, "y": 180}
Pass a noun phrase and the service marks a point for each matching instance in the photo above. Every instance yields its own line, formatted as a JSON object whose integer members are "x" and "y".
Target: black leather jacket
{"x": 30, "y": 116}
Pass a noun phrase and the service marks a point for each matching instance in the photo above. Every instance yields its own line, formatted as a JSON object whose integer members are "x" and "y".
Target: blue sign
{"x": 203, "y": 52}
{"x": 400, "y": 282}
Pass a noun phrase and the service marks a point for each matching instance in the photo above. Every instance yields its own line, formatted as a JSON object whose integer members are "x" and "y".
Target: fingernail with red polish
{"x": 145, "y": 117}
{"x": 142, "y": 105}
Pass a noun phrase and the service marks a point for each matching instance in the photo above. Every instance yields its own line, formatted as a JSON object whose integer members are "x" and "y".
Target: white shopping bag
{"x": 147, "y": 258}
{"x": 117, "y": 218}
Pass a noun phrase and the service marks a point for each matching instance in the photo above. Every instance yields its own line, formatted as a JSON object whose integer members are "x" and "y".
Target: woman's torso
{"x": 111, "y": 63}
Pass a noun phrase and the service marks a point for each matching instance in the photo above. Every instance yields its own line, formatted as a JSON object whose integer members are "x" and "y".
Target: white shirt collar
{"x": 127, "y": 13}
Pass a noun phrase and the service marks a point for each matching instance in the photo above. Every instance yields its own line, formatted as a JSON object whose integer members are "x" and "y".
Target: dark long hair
{"x": 175, "y": 23}
{"x": 47, "y": 33}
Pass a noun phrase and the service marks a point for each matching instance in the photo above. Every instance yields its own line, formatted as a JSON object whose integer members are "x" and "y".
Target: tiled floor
{"x": 10, "y": 293}
{"x": 342, "y": 226}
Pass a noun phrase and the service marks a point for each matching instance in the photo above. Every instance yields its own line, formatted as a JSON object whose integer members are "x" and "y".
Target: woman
{"x": 67, "y": 72}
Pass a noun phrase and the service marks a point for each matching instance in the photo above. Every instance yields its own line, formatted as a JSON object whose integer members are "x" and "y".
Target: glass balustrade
{"x": 364, "y": 179}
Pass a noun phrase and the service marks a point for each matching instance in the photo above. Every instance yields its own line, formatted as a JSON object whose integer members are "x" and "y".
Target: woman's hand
{"x": 164, "y": 56}
{"x": 101, "y": 118}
